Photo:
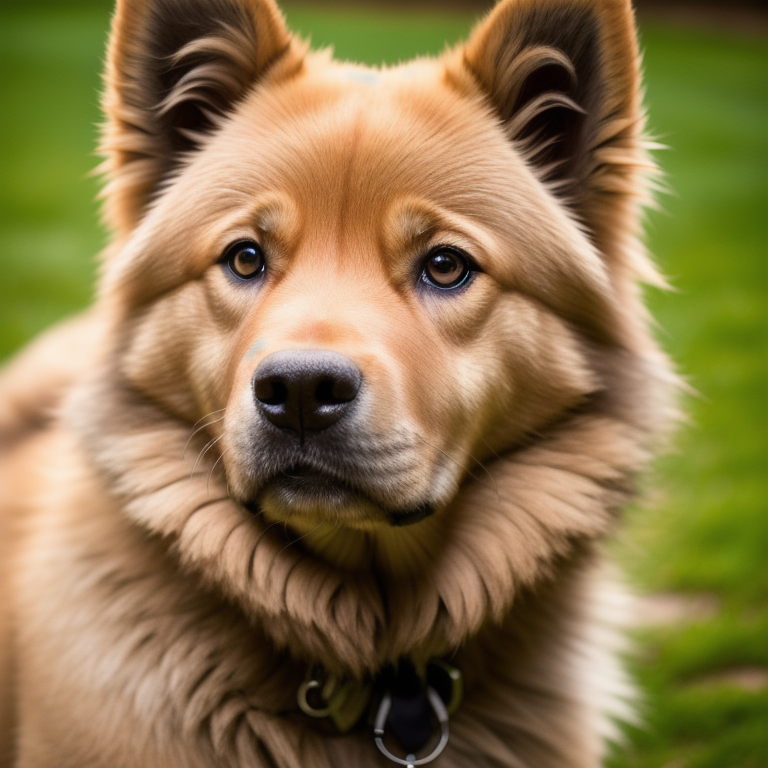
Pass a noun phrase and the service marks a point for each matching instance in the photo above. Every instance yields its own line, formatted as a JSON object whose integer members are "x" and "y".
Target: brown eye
{"x": 446, "y": 268}
{"x": 245, "y": 259}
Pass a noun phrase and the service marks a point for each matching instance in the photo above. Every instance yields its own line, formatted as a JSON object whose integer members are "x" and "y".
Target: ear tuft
{"x": 201, "y": 81}
{"x": 175, "y": 70}
{"x": 563, "y": 77}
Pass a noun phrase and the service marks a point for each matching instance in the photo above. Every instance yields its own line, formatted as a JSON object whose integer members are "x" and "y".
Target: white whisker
{"x": 294, "y": 541}
{"x": 469, "y": 472}
{"x": 205, "y": 450}
{"x": 208, "y": 484}
{"x": 196, "y": 429}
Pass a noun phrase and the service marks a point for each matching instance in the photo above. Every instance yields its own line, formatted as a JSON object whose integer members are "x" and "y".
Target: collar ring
{"x": 410, "y": 761}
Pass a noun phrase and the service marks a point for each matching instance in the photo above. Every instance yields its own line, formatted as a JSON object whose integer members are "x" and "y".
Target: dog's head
{"x": 381, "y": 277}
{"x": 371, "y": 283}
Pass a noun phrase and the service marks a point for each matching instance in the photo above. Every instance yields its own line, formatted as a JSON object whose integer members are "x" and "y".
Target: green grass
{"x": 707, "y": 530}
{"x": 50, "y": 61}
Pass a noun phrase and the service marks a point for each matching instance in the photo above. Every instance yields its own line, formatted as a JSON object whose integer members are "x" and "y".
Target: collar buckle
{"x": 344, "y": 702}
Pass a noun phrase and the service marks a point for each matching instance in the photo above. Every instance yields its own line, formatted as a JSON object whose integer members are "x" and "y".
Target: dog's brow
{"x": 415, "y": 221}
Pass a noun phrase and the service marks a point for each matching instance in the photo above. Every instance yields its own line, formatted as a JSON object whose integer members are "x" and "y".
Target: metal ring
{"x": 304, "y": 705}
{"x": 381, "y": 719}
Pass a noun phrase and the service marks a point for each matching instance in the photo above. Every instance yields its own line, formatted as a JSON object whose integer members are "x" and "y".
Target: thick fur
{"x": 162, "y": 597}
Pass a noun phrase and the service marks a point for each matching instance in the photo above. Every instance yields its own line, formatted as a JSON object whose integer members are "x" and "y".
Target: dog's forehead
{"x": 340, "y": 136}
{"x": 337, "y": 154}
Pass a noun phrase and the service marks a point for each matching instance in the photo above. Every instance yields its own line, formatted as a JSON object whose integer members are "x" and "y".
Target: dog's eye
{"x": 245, "y": 259}
{"x": 446, "y": 268}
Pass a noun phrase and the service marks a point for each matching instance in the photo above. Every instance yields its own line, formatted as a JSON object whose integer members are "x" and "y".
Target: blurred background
{"x": 696, "y": 547}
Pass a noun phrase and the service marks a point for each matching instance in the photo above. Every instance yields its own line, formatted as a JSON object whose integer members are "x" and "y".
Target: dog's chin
{"x": 307, "y": 497}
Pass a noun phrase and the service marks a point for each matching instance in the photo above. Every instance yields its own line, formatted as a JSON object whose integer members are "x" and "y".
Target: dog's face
{"x": 368, "y": 280}
{"x": 348, "y": 281}
{"x": 394, "y": 310}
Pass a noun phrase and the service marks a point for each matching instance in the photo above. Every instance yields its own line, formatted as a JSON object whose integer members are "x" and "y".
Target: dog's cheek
{"x": 237, "y": 443}
{"x": 536, "y": 372}
{"x": 442, "y": 361}
{"x": 461, "y": 320}
{"x": 176, "y": 354}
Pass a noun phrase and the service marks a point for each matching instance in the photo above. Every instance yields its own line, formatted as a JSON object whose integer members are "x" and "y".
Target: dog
{"x": 322, "y": 477}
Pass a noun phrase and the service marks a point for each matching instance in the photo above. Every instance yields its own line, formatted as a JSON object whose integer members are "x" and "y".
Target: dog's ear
{"x": 174, "y": 69}
{"x": 563, "y": 77}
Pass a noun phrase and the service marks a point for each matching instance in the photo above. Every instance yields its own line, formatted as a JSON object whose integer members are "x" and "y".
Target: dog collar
{"x": 399, "y": 705}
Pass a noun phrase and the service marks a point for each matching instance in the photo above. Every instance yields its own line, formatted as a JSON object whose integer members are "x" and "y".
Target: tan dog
{"x": 367, "y": 380}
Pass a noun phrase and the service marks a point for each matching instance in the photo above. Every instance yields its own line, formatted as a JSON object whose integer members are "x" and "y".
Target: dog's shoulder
{"x": 33, "y": 384}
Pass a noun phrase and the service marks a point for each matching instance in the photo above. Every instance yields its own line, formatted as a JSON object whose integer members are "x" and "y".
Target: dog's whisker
{"x": 207, "y": 415}
{"x": 485, "y": 469}
{"x": 468, "y": 471}
{"x": 303, "y": 536}
{"x": 205, "y": 450}
{"x": 488, "y": 471}
{"x": 210, "y": 474}
{"x": 196, "y": 429}
{"x": 490, "y": 448}
{"x": 448, "y": 456}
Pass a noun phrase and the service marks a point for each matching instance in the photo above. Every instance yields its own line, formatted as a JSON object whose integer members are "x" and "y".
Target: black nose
{"x": 305, "y": 390}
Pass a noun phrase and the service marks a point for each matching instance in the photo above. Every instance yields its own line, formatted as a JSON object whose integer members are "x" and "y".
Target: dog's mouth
{"x": 302, "y": 484}
{"x": 308, "y": 492}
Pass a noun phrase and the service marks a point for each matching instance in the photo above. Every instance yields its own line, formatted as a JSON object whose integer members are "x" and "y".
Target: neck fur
{"x": 352, "y": 600}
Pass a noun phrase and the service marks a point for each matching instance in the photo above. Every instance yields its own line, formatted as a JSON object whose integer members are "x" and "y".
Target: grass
{"x": 708, "y": 100}
{"x": 49, "y": 81}
{"x": 708, "y": 531}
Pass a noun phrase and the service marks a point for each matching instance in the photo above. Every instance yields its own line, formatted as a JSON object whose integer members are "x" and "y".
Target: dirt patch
{"x": 669, "y": 608}
{"x": 752, "y": 679}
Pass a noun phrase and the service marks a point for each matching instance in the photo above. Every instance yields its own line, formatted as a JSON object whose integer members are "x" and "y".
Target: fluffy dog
{"x": 367, "y": 380}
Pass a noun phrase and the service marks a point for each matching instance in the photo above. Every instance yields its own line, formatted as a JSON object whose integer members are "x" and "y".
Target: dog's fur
{"x": 165, "y": 586}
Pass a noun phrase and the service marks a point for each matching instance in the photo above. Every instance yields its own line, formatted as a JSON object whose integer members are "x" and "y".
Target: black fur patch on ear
{"x": 547, "y": 79}
{"x": 176, "y": 68}
{"x": 172, "y": 26}
{"x": 558, "y": 131}
{"x": 563, "y": 79}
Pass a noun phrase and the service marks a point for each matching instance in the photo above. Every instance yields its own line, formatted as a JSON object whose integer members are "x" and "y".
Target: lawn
{"x": 701, "y": 542}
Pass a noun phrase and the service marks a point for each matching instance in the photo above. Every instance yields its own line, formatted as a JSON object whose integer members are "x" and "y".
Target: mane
{"x": 455, "y": 572}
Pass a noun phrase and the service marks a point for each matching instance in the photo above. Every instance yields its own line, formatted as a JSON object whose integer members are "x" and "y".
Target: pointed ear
{"x": 175, "y": 68}
{"x": 563, "y": 77}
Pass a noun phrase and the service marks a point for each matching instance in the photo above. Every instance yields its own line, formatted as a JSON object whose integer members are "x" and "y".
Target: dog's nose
{"x": 305, "y": 390}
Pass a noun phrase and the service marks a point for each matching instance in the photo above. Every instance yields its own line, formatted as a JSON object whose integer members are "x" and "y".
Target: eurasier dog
{"x": 321, "y": 479}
